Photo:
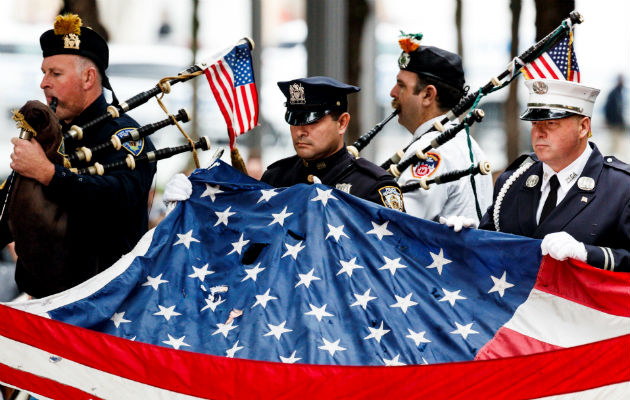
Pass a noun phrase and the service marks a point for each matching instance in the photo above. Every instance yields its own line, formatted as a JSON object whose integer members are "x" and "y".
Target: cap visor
{"x": 298, "y": 118}
{"x": 542, "y": 114}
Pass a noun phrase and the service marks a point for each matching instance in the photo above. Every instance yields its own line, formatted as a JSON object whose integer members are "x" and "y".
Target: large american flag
{"x": 559, "y": 62}
{"x": 232, "y": 82}
{"x": 246, "y": 291}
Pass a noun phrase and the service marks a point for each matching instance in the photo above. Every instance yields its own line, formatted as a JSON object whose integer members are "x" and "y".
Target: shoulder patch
{"x": 134, "y": 147}
{"x": 614, "y": 162}
{"x": 427, "y": 167}
{"x": 392, "y": 197}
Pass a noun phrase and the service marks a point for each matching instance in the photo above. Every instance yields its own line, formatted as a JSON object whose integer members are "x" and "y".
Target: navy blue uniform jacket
{"x": 358, "y": 177}
{"x": 599, "y": 218}
{"x": 107, "y": 215}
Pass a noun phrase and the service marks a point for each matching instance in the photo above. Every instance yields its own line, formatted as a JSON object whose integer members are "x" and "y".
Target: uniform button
{"x": 609, "y": 159}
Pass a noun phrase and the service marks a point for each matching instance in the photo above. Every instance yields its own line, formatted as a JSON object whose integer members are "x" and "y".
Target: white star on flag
{"x": 266, "y": 195}
{"x": 417, "y": 337}
{"x": 223, "y": 216}
{"x": 376, "y": 333}
{"x": 438, "y": 261}
{"x": 348, "y": 266}
{"x": 362, "y": 299}
{"x": 279, "y": 218}
{"x": 394, "y": 362}
{"x": 323, "y": 196}
{"x": 291, "y": 359}
{"x": 464, "y": 330}
{"x": 277, "y": 330}
{"x": 293, "y": 250}
{"x": 119, "y": 318}
{"x": 306, "y": 279}
{"x": 336, "y": 232}
{"x": 212, "y": 304}
{"x": 200, "y": 272}
{"x": 167, "y": 312}
{"x": 392, "y": 265}
{"x": 451, "y": 297}
{"x": 331, "y": 347}
{"x": 404, "y": 302}
{"x": 252, "y": 273}
{"x": 176, "y": 343}
{"x": 238, "y": 246}
{"x": 211, "y": 191}
{"x": 154, "y": 282}
{"x": 500, "y": 284}
{"x": 379, "y": 230}
{"x": 224, "y": 329}
{"x": 318, "y": 312}
{"x": 230, "y": 352}
{"x": 262, "y": 299}
{"x": 185, "y": 239}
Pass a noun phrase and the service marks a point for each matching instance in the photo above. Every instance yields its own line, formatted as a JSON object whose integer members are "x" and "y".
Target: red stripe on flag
{"x": 548, "y": 67}
{"x": 507, "y": 342}
{"x": 247, "y": 110}
{"x": 232, "y": 90}
{"x": 556, "y": 372}
{"x": 41, "y": 386}
{"x": 254, "y": 93}
{"x": 528, "y": 75}
{"x": 223, "y": 101}
{"x": 541, "y": 74}
{"x": 605, "y": 291}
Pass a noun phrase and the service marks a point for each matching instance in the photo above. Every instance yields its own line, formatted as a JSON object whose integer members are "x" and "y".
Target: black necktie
{"x": 552, "y": 198}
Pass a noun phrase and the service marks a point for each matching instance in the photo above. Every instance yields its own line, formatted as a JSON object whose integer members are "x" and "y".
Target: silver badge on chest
{"x": 344, "y": 187}
{"x": 532, "y": 181}
{"x": 586, "y": 183}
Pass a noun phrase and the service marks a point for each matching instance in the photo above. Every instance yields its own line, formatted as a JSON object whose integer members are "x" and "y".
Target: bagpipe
{"x": 472, "y": 99}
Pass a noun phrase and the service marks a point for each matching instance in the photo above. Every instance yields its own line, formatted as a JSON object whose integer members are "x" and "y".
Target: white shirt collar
{"x": 569, "y": 174}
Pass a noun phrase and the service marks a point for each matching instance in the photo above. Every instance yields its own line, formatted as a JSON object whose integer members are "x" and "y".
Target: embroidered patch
{"x": 344, "y": 187}
{"x": 426, "y": 167}
{"x": 135, "y": 147}
{"x": 62, "y": 148}
{"x": 392, "y": 197}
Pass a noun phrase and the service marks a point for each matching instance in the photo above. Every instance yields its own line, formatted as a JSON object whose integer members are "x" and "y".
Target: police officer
{"x": 431, "y": 82}
{"x": 566, "y": 193}
{"x": 107, "y": 214}
{"x": 318, "y": 118}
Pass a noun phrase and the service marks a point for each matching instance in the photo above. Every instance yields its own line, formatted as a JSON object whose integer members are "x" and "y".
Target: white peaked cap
{"x": 553, "y": 99}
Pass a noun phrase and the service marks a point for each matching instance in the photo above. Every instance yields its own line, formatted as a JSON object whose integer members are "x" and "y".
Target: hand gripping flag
{"x": 246, "y": 291}
{"x": 232, "y": 82}
{"x": 559, "y": 62}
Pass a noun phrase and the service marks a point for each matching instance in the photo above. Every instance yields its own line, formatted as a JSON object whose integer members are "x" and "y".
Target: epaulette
{"x": 614, "y": 162}
{"x": 370, "y": 168}
{"x": 283, "y": 162}
{"x": 520, "y": 160}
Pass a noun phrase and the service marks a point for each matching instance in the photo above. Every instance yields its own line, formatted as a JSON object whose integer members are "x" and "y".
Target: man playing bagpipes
{"x": 106, "y": 215}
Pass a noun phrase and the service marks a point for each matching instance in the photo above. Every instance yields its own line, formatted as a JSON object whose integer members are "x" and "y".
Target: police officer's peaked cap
{"x": 310, "y": 99}
{"x": 554, "y": 99}
{"x": 70, "y": 37}
{"x": 436, "y": 63}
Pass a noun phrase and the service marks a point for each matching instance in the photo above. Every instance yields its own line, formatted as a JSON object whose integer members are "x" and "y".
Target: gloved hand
{"x": 177, "y": 189}
{"x": 457, "y": 222}
{"x": 561, "y": 245}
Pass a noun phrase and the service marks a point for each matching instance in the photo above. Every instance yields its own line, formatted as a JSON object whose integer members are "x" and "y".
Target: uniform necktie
{"x": 552, "y": 198}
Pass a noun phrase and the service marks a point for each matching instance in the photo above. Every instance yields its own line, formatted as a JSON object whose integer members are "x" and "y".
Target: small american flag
{"x": 559, "y": 62}
{"x": 232, "y": 82}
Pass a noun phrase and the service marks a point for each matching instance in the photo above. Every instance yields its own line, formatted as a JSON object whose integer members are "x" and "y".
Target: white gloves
{"x": 561, "y": 245}
{"x": 177, "y": 189}
{"x": 457, "y": 222}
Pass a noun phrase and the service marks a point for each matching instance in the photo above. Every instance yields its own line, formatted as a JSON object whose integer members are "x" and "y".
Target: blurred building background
{"x": 351, "y": 40}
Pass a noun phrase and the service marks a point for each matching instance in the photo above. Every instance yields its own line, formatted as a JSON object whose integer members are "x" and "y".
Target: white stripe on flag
{"x": 90, "y": 380}
{"x": 241, "y": 109}
{"x": 218, "y": 80}
{"x": 250, "y": 105}
{"x": 554, "y": 320}
{"x": 227, "y": 79}
{"x": 620, "y": 391}
{"x": 552, "y": 65}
